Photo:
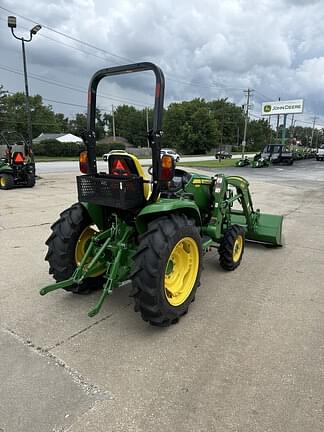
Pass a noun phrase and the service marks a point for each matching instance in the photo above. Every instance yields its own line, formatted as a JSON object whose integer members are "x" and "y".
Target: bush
{"x": 56, "y": 148}
{"x": 106, "y": 148}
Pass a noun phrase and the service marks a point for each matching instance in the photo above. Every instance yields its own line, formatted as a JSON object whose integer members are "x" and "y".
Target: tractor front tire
{"x": 6, "y": 181}
{"x": 167, "y": 269}
{"x": 62, "y": 244}
{"x": 231, "y": 248}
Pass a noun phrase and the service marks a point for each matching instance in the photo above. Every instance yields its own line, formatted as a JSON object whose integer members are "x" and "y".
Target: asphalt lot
{"x": 248, "y": 357}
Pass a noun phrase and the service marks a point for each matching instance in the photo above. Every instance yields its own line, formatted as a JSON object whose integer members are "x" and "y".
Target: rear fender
{"x": 5, "y": 168}
{"x": 164, "y": 207}
{"x": 96, "y": 213}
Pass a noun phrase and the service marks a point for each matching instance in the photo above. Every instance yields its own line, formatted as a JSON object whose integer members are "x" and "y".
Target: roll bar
{"x": 154, "y": 136}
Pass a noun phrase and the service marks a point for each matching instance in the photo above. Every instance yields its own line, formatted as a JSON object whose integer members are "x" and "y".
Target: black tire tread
{"x": 61, "y": 246}
{"x": 226, "y": 247}
{"x": 150, "y": 260}
{"x": 9, "y": 181}
{"x": 31, "y": 180}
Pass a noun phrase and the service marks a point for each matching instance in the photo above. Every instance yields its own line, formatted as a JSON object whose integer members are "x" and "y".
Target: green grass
{"x": 210, "y": 164}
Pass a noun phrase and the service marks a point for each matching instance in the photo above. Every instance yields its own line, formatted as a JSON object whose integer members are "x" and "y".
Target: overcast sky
{"x": 206, "y": 48}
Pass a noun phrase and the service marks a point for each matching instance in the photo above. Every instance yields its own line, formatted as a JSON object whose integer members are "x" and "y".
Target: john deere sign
{"x": 283, "y": 107}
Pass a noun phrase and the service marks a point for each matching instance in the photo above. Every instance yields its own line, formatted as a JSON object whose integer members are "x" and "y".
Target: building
{"x": 61, "y": 137}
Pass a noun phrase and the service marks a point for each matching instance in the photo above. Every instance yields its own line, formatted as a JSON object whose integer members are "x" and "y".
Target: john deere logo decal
{"x": 267, "y": 108}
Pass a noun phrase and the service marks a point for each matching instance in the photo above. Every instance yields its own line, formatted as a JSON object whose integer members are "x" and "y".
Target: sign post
{"x": 283, "y": 132}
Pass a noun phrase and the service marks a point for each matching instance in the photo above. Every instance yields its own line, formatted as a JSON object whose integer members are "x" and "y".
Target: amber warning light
{"x": 167, "y": 168}
{"x": 83, "y": 162}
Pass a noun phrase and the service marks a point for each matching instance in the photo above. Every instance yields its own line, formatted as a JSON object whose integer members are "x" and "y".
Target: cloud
{"x": 207, "y": 48}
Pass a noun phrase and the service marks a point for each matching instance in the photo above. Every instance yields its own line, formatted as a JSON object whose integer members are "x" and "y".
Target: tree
{"x": 189, "y": 127}
{"x": 130, "y": 124}
{"x": 13, "y": 115}
{"x": 62, "y": 122}
{"x": 230, "y": 118}
{"x": 258, "y": 134}
{"x": 77, "y": 125}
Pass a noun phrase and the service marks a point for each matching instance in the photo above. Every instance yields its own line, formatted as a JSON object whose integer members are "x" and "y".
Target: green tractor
{"x": 153, "y": 232}
{"x": 17, "y": 166}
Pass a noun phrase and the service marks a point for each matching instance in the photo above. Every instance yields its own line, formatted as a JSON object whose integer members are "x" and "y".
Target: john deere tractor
{"x": 17, "y": 166}
{"x": 152, "y": 231}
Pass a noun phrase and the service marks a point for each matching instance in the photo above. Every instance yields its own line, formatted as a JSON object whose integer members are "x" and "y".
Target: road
{"x": 73, "y": 166}
{"x": 305, "y": 171}
{"x": 248, "y": 357}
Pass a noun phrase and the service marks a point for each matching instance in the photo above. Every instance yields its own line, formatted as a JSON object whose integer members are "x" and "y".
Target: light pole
{"x": 12, "y": 24}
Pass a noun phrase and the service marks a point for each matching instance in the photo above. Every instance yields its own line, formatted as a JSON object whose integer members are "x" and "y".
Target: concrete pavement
{"x": 247, "y": 357}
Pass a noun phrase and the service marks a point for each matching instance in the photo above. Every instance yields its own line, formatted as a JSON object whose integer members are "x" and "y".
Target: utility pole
{"x": 222, "y": 131}
{"x": 314, "y": 120}
{"x": 317, "y": 134}
{"x": 248, "y": 94}
{"x": 113, "y": 122}
{"x": 147, "y": 127}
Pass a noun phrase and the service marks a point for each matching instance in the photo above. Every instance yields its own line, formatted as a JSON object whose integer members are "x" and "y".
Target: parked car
{"x": 222, "y": 154}
{"x": 172, "y": 153}
{"x": 320, "y": 153}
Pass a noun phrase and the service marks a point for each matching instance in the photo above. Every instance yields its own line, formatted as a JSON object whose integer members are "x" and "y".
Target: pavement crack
{"x": 89, "y": 388}
{"x": 79, "y": 332}
{"x": 27, "y": 226}
{"x": 63, "y": 341}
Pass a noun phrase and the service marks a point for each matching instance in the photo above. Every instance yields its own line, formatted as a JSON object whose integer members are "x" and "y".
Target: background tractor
{"x": 151, "y": 231}
{"x": 17, "y": 166}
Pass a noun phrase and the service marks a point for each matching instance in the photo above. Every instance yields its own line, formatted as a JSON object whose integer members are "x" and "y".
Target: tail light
{"x": 83, "y": 162}
{"x": 167, "y": 168}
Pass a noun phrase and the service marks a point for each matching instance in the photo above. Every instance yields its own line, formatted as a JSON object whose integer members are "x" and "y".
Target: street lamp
{"x": 12, "y": 24}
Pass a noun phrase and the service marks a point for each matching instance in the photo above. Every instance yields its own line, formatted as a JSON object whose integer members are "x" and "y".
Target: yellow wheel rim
{"x": 181, "y": 271}
{"x": 81, "y": 247}
{"x": 2, "y": 181}
{"x": 237, "y": 249}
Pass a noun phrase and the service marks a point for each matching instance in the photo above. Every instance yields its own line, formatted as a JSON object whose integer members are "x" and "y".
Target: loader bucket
{"x": 267, "y": 229}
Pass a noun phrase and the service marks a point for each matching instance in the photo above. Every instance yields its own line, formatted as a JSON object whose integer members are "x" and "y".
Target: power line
{"x": 68, "y": 86}
{"x": 223, "y": 87}
{"x": 67, "y": 36}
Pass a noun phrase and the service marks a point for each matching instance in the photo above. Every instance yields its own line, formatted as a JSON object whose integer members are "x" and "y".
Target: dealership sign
{"x": 283, "y": 107}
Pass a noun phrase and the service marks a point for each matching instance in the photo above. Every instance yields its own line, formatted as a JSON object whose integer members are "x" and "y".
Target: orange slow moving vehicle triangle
{"x": 19, "y": 158}
{"x": 120, "y": 165}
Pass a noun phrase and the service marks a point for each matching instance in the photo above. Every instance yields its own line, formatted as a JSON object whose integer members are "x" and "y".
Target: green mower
{"x": 243, "y": 162}
{"x": 152, "y": 231}
{"x": 17, "y": 166}
{"x": 259, "y": 161}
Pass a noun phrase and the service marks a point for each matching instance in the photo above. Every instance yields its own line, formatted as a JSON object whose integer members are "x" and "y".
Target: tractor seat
{"x": 127, "y": 165}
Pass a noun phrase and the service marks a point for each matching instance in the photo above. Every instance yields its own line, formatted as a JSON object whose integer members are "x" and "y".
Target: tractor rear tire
{"x": 31, "y": 180}
{"x": 6, "y": 181}
{"x": 231, "y": 248}
{"x": 66, "y": 232}
{"x": 167, "y": 269}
